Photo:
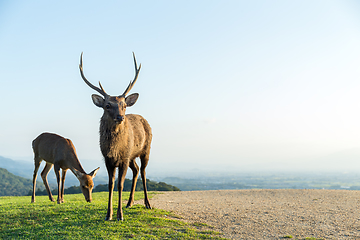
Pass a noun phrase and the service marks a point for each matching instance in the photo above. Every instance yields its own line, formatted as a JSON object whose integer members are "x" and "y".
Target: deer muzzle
{"x": 119, "y": 118}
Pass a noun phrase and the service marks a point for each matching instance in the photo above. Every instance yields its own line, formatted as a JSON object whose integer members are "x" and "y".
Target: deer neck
{"x": 76, "y": 166}
{"x": 110, "y": 128}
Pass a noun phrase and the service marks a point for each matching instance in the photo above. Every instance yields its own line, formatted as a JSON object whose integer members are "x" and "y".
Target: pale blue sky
{"x": 224, "y": 84}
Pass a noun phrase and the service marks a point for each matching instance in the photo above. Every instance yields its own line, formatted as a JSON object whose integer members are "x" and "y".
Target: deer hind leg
{"x": 62, "y": 185}
{"x": 135, "y": 169}
{"x": 44, "y": 174}
{"x": 144, "y": 161}
{"x": 57, "y": 173}
{"x": 37, "y": 161}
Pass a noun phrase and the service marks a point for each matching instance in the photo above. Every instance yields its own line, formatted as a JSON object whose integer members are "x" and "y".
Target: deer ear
{"x": 78, "y": 174}
{"x": 93, "y": 173}
{"x": 131, "y": 99}
{"x": 98, "y": 101}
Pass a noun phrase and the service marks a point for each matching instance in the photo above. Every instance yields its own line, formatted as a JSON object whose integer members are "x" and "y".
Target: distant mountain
{"x": 150, "y": 185}
{"x": 11, "y": 185}
{"x": 26, "y": 170}
{"x": 20, "y": 168}
{"x": 16, "y": 180}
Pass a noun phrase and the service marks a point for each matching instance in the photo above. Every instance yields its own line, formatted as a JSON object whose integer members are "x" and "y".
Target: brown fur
{"x": 61, "y": 153}
{"x": 122, "y": 139}
{"x": 120, "y": 144}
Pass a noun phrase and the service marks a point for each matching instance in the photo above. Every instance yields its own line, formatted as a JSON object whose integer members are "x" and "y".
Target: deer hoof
{"x": 108, "y": 218}
{"x": 147, "y": 205}
{"x": 120, "y": 219}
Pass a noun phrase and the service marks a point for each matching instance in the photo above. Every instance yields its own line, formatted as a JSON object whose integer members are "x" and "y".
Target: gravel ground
{"x": 269, "y": 214}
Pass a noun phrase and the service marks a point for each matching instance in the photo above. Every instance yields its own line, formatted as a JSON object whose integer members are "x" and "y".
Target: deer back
{"x": 55, "y": 149}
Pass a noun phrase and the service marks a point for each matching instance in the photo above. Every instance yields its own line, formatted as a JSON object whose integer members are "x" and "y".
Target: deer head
{"x": 86, "y": 182}
{"x": 114, "y": 106}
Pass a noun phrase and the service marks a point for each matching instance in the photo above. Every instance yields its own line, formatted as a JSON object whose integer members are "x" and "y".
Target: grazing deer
{"x": 60, "y": 152}
{"x": 122, "y": 139}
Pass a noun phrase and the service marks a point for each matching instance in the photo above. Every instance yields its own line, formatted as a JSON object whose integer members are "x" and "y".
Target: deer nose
{"x": 119, "y": 118}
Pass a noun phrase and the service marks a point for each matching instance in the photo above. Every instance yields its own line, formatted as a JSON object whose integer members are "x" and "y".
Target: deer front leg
{"x": 44, "y": 174}
{"x": 62, "y": 185}
{"x": 57, "y": 173}
{"x": 122, "y": 173}
{"x": 135, "y": 169}
{"x": 111, "y": 172}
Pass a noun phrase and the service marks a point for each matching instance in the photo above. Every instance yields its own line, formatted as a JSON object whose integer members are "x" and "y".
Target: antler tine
{"x": 131, "y": 84}
{"x": 101, "y": 91}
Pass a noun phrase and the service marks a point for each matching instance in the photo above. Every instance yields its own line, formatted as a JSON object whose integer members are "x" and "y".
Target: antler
{"x": 100, "y": 90}
{"x": 131, "y": 84}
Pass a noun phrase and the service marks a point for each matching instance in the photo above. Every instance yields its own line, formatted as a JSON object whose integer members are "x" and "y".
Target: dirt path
{"x": 269, "y": 214}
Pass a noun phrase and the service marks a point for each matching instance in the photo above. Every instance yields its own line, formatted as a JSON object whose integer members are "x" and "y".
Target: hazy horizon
{"x": 224, "y": 85}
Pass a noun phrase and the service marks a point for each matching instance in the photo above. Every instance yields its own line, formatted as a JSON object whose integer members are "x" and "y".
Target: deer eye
{"x": 108, "y": 106}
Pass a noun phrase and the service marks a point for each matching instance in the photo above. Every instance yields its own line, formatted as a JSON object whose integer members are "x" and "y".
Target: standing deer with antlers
{"x": 122, "y": 139}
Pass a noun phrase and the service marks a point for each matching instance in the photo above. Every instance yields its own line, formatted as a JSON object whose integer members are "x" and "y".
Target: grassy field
{"x": 77, "y": 219}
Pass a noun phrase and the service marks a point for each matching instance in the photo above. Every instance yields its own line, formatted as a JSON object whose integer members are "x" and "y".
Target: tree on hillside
{"x": 12, "y": 185}
{"x": 151, "y": 186}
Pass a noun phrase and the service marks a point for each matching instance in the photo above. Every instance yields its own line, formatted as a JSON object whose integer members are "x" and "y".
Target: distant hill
{"x": 26, "y": 170}
{"x": 12, "y": 185}
{"x": 151, "y": 186}
{"x": 15, "y": 180}
{"x": 20, "y": 168}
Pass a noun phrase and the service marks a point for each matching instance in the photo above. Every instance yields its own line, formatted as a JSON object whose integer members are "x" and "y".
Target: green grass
{"x": 77, "y": 219}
